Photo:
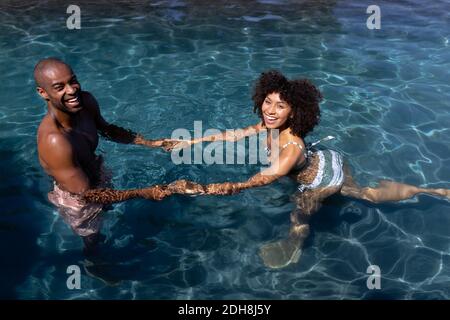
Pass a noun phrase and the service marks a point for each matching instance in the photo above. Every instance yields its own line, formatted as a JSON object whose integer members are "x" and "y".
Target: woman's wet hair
{"x": 300, "y": 94}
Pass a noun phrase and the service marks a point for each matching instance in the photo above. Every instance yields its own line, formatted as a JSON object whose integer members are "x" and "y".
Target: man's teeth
{"x": 73, "y": 100}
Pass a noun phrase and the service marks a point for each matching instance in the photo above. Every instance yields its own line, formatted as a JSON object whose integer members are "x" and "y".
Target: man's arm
{"x": 111, "y": 131}
{"x": 57, "y": 152}
{"x": 107, "y": 196}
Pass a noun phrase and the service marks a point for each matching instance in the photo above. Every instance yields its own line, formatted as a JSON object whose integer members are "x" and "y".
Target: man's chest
{"x": 84, "y": 138}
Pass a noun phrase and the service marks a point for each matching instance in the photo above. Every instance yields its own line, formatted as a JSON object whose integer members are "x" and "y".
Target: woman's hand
{"x": 166, "y": 144}
{"x": 155, "y": 192}
{"x": 172, "y": 144}
{"x": 226, "y": 188}
{"x": 186, "y": 187}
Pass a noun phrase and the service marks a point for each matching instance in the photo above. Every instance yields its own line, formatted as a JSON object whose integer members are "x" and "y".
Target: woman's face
{"x": 276, "y": 112}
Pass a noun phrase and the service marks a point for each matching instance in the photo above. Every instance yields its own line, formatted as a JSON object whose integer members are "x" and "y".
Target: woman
{"x": 292, "y": 107}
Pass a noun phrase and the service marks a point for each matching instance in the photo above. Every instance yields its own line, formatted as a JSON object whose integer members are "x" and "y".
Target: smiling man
{"x": 67, "y": 139}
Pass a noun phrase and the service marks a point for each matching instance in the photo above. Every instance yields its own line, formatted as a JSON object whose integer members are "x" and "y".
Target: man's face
{"x": 61, "y": 88}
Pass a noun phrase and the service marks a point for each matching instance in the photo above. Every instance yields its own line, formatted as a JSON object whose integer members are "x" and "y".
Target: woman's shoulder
{"x": 291, "y": 139}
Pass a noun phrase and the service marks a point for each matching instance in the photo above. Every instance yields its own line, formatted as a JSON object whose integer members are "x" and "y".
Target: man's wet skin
{"x": 83, "y": 139}
{"x": 69, "y": 125}
{"x": 68, "y": 137}
{"x": 67, "y": 140}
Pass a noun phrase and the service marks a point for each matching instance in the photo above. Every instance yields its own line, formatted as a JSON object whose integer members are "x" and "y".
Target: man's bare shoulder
{"x": 46, "y": 127}
{"x": 51, "y": 142}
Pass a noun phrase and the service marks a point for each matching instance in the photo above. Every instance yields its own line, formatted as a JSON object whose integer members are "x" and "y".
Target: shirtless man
{"x": 67, "y": 139}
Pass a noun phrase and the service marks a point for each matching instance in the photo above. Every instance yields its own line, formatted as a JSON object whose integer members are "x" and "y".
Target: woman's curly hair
{"x": 300, "y": 94}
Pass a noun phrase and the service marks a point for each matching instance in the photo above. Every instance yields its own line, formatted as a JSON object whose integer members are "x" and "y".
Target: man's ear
{"x": 42, "y": 93}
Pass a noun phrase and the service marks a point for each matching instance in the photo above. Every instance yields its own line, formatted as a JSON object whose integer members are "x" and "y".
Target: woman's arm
{"x": 232, "y": 135}
{"x": 287, "y": 160}
{"x": 228, "y": 135}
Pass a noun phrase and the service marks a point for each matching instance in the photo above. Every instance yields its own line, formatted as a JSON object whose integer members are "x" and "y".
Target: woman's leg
{"x": 386, "y": 190}
{"x": 286, "y": 251}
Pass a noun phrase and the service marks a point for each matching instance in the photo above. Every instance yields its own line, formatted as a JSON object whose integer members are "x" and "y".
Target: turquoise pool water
{"x": 158, "y": 66}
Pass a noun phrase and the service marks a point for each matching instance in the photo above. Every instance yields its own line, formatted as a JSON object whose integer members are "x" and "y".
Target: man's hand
{"x": 149, "y": 143}
{"x": 226, "y": 188}
{"x": 186, "y": 187}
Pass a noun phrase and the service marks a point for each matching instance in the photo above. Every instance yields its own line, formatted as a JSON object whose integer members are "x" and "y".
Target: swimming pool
{"x": 155, "y": 67}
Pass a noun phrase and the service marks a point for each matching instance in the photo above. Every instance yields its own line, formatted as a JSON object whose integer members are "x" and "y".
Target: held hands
{"x": 167, "y": 144}
{"x": 155, "y": 193}
{"x": 159, "y": 192}
{"x": 186, "y": 187}
{"x": 189, "y": 188}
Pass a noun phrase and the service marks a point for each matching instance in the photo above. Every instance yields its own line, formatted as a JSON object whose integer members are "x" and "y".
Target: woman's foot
{"x": 281, "y": 253}
{"x": 443, "y": 192}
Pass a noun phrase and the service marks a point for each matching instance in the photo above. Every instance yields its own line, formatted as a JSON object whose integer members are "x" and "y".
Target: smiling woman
{"x": 291, "y": 109}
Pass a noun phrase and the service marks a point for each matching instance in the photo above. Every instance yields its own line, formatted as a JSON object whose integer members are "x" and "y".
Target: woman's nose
{"x": 272, "y": 109}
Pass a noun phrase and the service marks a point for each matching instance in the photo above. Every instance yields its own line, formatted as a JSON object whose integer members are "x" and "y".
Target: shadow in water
{"x": 19, "y": 219}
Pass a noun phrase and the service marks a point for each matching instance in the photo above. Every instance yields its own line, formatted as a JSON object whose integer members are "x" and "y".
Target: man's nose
{"x": 70, "y": 89}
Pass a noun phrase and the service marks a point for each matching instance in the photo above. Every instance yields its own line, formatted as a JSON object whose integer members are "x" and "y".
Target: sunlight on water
{"x": 161, "y": 66}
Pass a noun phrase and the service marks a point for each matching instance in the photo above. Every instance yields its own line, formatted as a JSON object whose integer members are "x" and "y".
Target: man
{"x": 67, "y": 139}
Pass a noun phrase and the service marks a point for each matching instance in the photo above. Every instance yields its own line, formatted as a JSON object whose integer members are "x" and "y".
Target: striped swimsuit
{"x": 330, "y": 172}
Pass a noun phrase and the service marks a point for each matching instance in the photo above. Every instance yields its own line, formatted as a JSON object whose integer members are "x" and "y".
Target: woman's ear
{"x": 290, "y": 119}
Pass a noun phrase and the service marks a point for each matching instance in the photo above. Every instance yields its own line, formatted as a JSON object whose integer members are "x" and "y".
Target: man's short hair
{"x": 43, "y": 65}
